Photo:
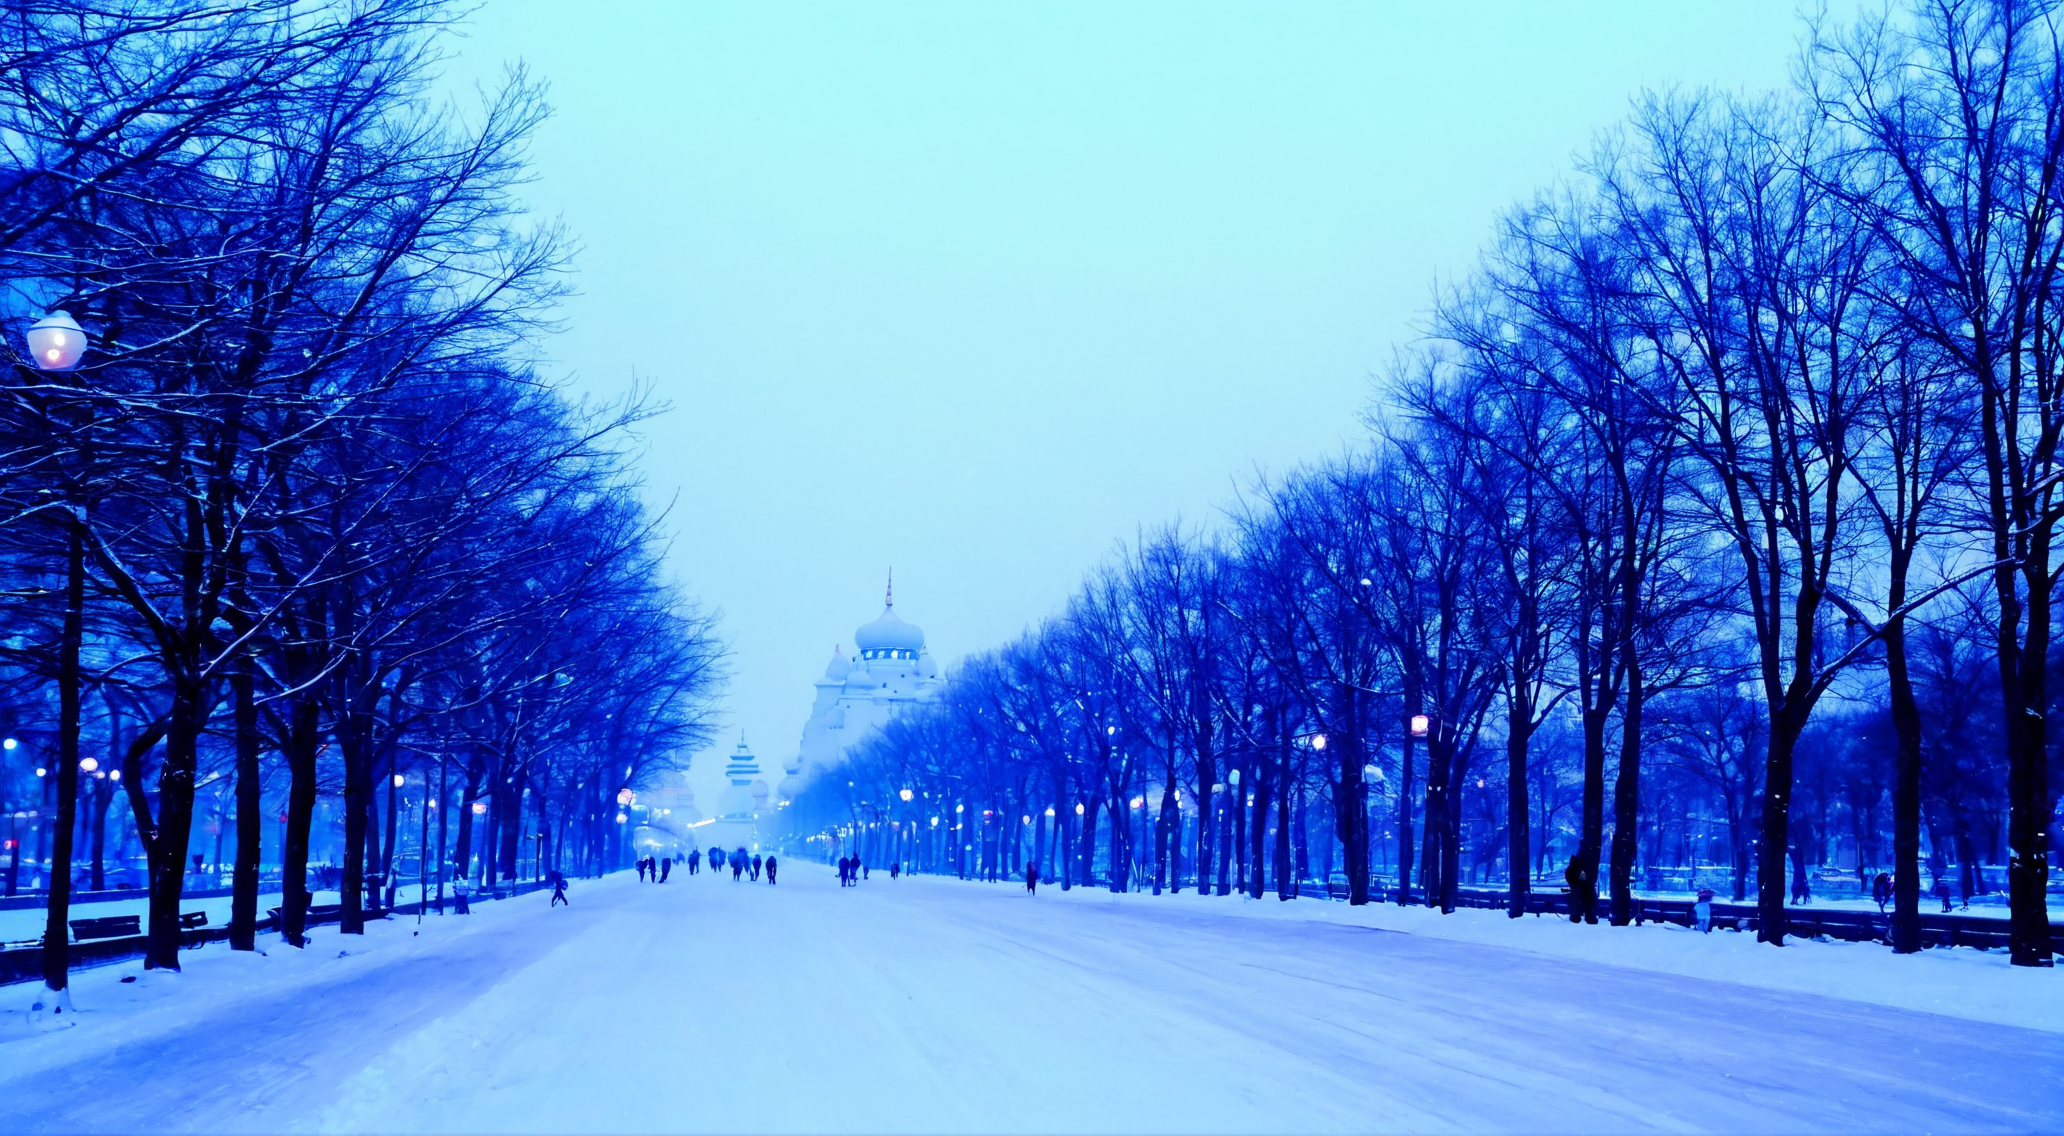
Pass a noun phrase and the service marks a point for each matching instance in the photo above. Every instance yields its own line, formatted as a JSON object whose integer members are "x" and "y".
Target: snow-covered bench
{"x": 111, "y": 927}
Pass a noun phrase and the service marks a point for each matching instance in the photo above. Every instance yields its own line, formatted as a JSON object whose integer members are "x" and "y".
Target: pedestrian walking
{"x": 1881, "y": 890}
{"x": 863, "y": 867}
{"x": 695, "y": 861}
{"x": 844, "y": 869}
{"x": 1942, "y": 892}
{"x": 756, "y": 867}
{"x": 666, "y": 867}
{"x": 770, "y": 869}
{"x": 1583, "y": 890}
{"x": 1702, "y": 911}
{"x": 737, "y": 865}
{"x": 641, "y": 869}
{"x": 1032, "y": 879}
{"x": 895, "y": 868}
{"x": 559, "y": 891}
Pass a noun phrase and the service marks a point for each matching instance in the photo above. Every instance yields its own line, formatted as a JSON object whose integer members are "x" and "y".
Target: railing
{"x": 24, "y": 963}
{"x": 1937, "y": 930}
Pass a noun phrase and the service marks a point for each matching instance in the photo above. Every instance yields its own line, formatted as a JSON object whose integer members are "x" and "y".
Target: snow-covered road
{"x": 935, "y": 1005}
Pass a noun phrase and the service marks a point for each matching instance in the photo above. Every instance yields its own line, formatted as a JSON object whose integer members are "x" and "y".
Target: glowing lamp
{"x": 480, "y": 808}
{"x": 625, "y": 796}
{"x": 397, "y": 780}
{"x": 9, "y": 744}
{"x": 1318, "y": 741}
{"x": 1420, "y": 724}
{"x": 1078, "y": 808}
{"x": 57, "y": 342}
{"x": 906, "y": 795}
{"x": 89, "y": 764}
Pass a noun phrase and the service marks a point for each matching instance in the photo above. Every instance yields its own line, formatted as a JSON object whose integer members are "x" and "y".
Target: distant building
{"x": 890, "y": 670}
{"x": 742, "y": 804}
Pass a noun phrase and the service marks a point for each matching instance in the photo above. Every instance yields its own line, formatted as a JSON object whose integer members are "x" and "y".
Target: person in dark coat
{"x": 756, "y": 867}
{"x": 845, "y": 871}
{"x": 737, "y": 865}
{"x": 641, "y": 869}
{"x": 666, "y": 867}
{"x": 1032, "y": 878}
{"x": 559, "y": 891}
{"x": 1942, "y": 892}
{"x": 1583, "y": 890}
{"x": 770, "y": 869}
{"x": 895, "y": 868}
{"x": 1881, "y": 890}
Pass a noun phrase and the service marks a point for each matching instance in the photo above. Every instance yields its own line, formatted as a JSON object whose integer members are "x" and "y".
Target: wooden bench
{"x": 192, "y": 920}
{"x": 112, "y": 927}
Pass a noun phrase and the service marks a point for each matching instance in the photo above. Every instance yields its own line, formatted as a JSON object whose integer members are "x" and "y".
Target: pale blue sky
{"x": 975, "y": 290}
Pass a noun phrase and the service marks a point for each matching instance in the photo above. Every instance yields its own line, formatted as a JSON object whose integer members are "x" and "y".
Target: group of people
{"x": 743, "y": 864}
{"x": 851, "y": 871}
{"x": 657, "y": 869}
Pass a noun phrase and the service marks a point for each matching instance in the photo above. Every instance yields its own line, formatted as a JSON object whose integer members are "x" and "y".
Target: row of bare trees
{"x": 306, "y": 510}
{"x": 1750, "y": 430}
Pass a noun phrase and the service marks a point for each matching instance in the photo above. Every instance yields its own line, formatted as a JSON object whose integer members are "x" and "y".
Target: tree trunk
{"x": 1263, "y": 796}
{"x": 1286, "y": 864}
{"x": 1440, "y": 762}
{"x": 303, "y": 725}
{"x": 1519, "y": 727}
{"x": 175, "y": 819}
{"x": 1627, "y": 799}
{"x": 250, "y": 823}
{"x": 57, "y": 956}
{"x": 1777, "y": 808}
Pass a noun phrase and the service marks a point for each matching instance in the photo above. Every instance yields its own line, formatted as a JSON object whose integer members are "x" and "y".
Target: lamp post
{"x": 387, "y": 860}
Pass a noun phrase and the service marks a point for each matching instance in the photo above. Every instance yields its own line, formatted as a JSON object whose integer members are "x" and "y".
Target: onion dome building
{"x": 890, "y": 669}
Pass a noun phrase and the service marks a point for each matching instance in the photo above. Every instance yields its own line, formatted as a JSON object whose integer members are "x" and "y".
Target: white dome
{"x": 861, "y": 679}
{"x": 889, "y": 633}
{"x": 791, "y": 787}
{"x": 759, "y": 793}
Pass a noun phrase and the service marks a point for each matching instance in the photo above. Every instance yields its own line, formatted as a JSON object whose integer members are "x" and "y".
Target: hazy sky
{"x": 976, "y": 290}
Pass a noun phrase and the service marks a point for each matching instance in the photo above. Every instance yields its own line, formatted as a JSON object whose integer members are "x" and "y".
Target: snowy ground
{"x": 935, "y": 1005}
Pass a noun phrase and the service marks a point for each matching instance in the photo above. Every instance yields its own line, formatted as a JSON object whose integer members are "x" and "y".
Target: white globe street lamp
{"x": 56, "y": 342}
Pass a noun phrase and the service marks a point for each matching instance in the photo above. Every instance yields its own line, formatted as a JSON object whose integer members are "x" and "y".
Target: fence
{"x": 1937, "y": 930}
{"x": 22, "y": 964}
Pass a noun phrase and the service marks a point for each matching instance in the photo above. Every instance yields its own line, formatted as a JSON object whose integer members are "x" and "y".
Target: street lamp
{"x": 9, "y": 744}
{"x": 88, "y": 764}
{"x": 906, "y": 795}
{"x": 56, "y": 342}
{"x": 1318, "y": 741}
{"x": 1420, "y": 724}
